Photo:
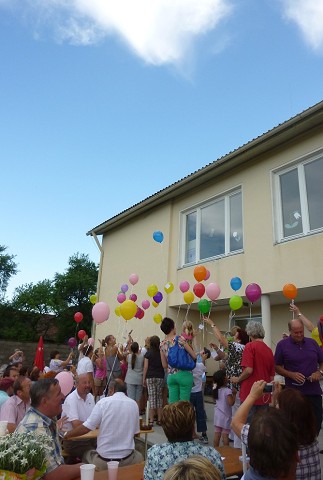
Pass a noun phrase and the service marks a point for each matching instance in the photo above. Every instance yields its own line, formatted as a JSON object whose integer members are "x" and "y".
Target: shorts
{"x": 100, "y": 382}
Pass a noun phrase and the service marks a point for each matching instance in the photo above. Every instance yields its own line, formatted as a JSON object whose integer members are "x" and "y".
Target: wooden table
{"x": 231, "y": 462}
{"x": 94, "y": 434}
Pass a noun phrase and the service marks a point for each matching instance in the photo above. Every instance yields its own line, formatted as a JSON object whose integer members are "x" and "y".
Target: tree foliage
{"x": 48, "y": 307}
{"x": 8, "y": 268}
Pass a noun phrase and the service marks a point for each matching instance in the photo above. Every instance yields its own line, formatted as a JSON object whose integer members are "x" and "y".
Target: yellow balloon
{"x": 169, "y": 287}
{"x": 117, "y": 311}
{"x": 155, "y": 304}
{"x": 188, "y": 297}
{"x": 315, "y": 336}
{"x": 93, "y": 299}
{"x": 128, "y": 309}
{"x": 157, "y": 318}
{"x": 152, "y": 290}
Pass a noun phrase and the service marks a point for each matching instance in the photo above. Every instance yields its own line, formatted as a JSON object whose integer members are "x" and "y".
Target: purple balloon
{"x": 158, "y": 297}
{"x": 253, "y": 292}
{"x": 72, "y": 342}
{"x": 124, "y": 288}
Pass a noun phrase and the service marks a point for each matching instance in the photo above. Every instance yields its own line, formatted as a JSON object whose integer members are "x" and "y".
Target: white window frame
{"x": 277, "y": 201}
{"x": 197, "y": 208}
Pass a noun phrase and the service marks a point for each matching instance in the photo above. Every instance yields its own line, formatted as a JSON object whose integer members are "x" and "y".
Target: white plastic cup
{"x": 113, "y": 466}
{"x": 87, "y": 471}
{"x": 3, "y": 428}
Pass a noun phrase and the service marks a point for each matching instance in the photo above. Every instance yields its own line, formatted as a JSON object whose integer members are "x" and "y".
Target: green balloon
{"x": 204, "y": 305}
{"x": 235, "y": 302}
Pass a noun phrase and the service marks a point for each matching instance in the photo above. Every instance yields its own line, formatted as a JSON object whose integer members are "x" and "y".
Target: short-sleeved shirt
{"x": 85, "y": 366}
{"x": 13, "y": 410}
{"x": 34, "y": 421}
{"x": 155, "y": 367}
{"x": 260, "y": 358}
{"x": 233, "y": 363}
{"x": 303, "y": 357}
{"x": 75, "y": 408}
{"x": 198, "y": 373}
{"x": 162, "y": 456}
{"x": 134, "y": 375}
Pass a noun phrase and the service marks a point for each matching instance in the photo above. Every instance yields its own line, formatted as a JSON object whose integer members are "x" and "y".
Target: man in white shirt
{"x": 118, "y": 418}
{"x": 77, "y": 407}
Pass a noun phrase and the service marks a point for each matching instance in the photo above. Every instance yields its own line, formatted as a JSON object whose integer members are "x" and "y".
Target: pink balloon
{"x": 184, "y": 286}
{"x": 253, "y": 292}
{"x": 207, "y": 276}
{"x": 145, "y": 304}
{"x": 100, "y": 312}
{"x": 121, "y": 297}
{"x": 133, "y": 279}
{"x": 213, "y": 291}
{"x": 66, "y": 382}
{"x": 133, "y": 297}
{"x": 90, "y": 341}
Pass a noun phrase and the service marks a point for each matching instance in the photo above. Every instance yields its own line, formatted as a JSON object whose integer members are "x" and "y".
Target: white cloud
{"x": 308, "y": 15}
{"x": 158, "y": 31}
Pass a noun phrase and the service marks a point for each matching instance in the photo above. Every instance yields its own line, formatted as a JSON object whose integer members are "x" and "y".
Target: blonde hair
{"x": 196, "y": 467}
{"x": 188, "y": 328}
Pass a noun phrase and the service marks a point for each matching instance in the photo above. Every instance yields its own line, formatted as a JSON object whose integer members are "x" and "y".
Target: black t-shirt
{"x": 155, "y": 367}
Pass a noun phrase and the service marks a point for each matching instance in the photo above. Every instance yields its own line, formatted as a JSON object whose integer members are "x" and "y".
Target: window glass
{"x": 291, "y": 205}
{"x": 314, "y": 188}
{"x": 190, "y": 238}
{"x": 212, "y": 230}
{"x": 236, "y": 234}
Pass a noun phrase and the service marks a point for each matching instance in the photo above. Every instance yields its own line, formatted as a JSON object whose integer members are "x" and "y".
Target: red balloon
{"x": 78, "y": 317}
{"x": 199, "y": 289}
{"x": 81, "y": 334}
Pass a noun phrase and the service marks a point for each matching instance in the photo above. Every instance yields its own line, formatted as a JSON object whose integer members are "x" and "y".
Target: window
{"x": 300, "y": 198}
{"x": 213, "y": 229}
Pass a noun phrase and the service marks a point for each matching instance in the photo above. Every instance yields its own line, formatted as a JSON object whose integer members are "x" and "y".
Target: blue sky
{"x": 104, "y": 103}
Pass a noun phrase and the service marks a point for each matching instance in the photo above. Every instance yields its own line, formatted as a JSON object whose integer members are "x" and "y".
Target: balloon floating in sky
{"x": 213, "y": 291}
{"x": 152, "y": 290}
{"x": 169, "y": 287}
{"x": 72, "y": 342}
{"x": 93, "y": 299}
{"x": 290, "y": 291}
{"x": 204, "y": 306}
{"x": 128, "y": 309}
{"x": 253, "y": 292}
{"x": 184, "y": 286}
{"x": 200, "y": 273}
{"x": 133, "y": 279}
{"x": 235, "y": 283}
{"x": 100, "y": 312}
{"x": 78, "y": 317}
{"x": 158, "y": 236}
{"x": 81, "y": 334}
{"x": 199, "y": 289}
{"x": 235, "y": 302}
{"x": 66, "y": 382}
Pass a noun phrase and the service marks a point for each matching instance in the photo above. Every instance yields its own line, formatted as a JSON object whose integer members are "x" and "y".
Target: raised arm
{"x": 216, "y": 331}
{"x": 305, "y": 321}
{"x": 241, "y": 415}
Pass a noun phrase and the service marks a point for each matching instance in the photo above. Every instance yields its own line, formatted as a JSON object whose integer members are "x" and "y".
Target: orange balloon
{"x": 290, "y": 291}
{"x": 200, "y": 273}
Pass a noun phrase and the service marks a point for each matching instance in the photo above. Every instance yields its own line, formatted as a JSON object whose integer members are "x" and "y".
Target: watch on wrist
{"x": 213, "y": 325}
{"x": 299, "y": 314}
{"x": 321, "y": 372}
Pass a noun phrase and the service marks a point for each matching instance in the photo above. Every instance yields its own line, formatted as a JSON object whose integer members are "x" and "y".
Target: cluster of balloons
{"x": 212, "y": 290}
{"x": 252, "y": 292}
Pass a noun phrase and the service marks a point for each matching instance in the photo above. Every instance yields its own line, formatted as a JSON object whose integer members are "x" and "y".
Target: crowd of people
{"x": 113, "y": 382}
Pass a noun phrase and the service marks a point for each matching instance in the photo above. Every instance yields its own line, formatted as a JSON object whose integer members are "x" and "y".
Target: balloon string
{"x": 250, "y": 311}
{"x": 179, "y": 309}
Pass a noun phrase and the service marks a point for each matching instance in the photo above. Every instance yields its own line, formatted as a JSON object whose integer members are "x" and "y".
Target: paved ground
{"x": 158, "y": 435}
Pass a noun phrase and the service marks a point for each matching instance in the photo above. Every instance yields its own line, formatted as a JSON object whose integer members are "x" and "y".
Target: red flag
{"x": 39, "y": 357}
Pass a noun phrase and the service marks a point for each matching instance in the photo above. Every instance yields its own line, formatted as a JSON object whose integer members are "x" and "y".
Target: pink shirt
{"x": 13, "y": 410}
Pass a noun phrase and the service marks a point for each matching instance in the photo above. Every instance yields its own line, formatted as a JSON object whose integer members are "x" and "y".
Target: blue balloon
{"x": 158, "y": 236}
{"x": 235, "y": 283}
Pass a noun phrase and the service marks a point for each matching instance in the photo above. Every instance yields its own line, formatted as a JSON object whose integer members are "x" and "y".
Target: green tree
{"x": 72, "y": 290}
{"x": 8, "y": 268}
{"x": 37, "y": 300}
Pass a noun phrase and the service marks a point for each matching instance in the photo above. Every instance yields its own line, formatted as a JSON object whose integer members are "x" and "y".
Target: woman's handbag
{"x": 179, "y": 358}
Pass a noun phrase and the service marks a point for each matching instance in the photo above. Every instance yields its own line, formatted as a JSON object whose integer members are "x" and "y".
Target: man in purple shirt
{"x": 300, "y": 360}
